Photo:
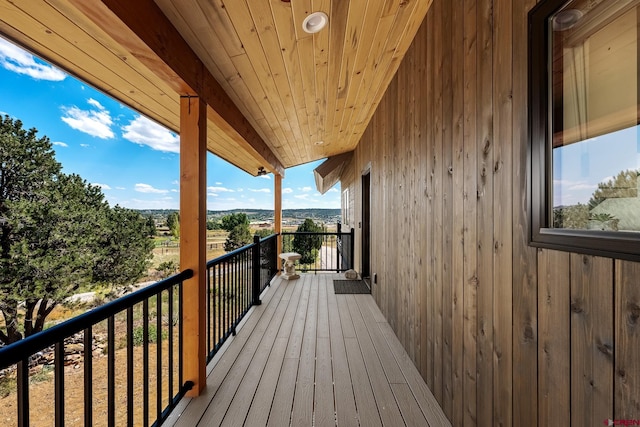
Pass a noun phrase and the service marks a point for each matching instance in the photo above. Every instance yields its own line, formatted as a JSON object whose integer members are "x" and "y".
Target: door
{"x": 366, "y": 225}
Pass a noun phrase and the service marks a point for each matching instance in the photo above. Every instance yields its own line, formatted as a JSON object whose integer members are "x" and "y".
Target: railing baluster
{"x": 170, "y": 360}
{"x": 111, "y": 372}
{"x": 255, "y": 279}
{"x": 145, "y": 362}
{"x": 228, "y": 301}
{"x": 219, "y": 305}
{"x": 23, "y": 392}
{"x": 159, "y": 356}
{"x": 180, "y": 335}
{"x": 88, "y": 376}
{"x": 19, "y": 354}
{"x": 234, "y": 301}
{"x": 58, "y": 363}
{"x": 209, "y": 317}
{"x": 130, "y": 345}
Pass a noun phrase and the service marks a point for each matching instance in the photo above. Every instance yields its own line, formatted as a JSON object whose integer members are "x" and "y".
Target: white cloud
{"x": 583, "y": 186}
{"x": 213, "y": 195}
{"x": 569, "y": 185}
{"x": 608, "y": 178}
{"x": 19, "y": 61}
{"x": 333, "y": 190}
{"x": 174, "y": 191}
{"x": 95, "y": 122}
{"x": 218, "y": 183}
{"x": 60, "y": 144}
{"x": 143, "y": 131}
{"x": 95, "y": 103}
{"x": 84, "y": 145}
{"x": 261, "y": 190}
{"x": 151, "y": 204}
{"x": 220, "y": 190}
{"x": 306, "y": 189}
{"x": 146, "y": 188}
{"x": 265, "y": 176}
{"x": 103, "y": 186}
{"x": 287, "y": 190}
{"x": 175, "y": 182}
{"x": 120, "y": 188}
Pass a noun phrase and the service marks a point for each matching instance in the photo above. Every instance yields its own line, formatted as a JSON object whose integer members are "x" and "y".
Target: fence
{"x": 321, "y": 251}
{"x": 234, "y": 283}
{"x": 153, "y": 335}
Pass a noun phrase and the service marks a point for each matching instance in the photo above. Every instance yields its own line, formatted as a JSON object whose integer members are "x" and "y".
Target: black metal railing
{"x": 268, "y": 260}
{"x": 321, "y": 251}
{"x": 234, "y": 284}
{"x": 130, "y": 354}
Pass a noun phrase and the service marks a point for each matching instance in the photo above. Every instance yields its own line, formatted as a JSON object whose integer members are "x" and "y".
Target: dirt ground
{"x": 41, "y": 389}
{"x": 41, "y": 392}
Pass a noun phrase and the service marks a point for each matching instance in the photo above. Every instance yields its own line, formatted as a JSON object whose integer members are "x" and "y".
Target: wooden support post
{"x": 193, "y": 235}
{"x": 277, "y": 215}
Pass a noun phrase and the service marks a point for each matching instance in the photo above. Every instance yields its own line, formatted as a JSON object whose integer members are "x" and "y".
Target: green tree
{"x": 151, "y": 226}
{"x": 173, "y": 222}
{"x": 622, "y": 185}
{"x": 213, "y": 225}
{"x": 167, "y": 268}
{"x": 308, "y": 246}
{"x": 125, "y": 248}
{"x": 27, "y": 164}
{"x": 574, "y": 217}
{"x": 238, "y": 237}
{"x": 229, "y": 222}
{"x": 56, "y": 233}
{"x": 264, "y": 232}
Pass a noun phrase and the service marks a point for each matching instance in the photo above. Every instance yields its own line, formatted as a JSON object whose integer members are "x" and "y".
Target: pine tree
{"x": 308, "y": 246}
{"x": 57, "y": 233}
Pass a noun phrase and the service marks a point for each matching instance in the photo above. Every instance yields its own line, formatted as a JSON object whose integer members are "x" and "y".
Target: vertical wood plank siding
{"x": 503, "y": 334}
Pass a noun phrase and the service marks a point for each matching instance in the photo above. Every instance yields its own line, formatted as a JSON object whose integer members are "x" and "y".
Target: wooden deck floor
{"x": 308, "y": 357}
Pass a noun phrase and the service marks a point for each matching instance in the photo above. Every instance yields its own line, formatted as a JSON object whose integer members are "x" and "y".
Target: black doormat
{"x": 350, "y": 287}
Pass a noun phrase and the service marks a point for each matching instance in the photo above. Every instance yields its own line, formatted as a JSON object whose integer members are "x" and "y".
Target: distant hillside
{"x": 257, "y": 214}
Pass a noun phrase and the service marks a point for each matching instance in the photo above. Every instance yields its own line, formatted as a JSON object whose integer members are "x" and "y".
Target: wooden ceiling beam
{"x": 144, "y": 31}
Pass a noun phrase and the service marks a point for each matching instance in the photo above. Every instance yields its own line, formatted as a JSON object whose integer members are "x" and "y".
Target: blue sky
{"x": 579, "y": 168}
{"x": 133, "y": 159}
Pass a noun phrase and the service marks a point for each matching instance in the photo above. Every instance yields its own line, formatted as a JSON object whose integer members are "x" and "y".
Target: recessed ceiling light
{"x": 566, "y": 19}
{"x": 315, "y": 22}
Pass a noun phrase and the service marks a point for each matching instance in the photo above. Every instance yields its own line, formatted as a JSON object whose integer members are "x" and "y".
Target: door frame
{"x": 365, "y": 254}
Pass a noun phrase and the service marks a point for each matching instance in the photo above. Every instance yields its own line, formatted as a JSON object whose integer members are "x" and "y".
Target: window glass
{"x": 593, "y": 95}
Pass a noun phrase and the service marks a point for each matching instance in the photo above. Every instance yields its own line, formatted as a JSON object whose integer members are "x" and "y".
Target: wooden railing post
{"x": 193, "y": 217}
{"x": 255, "y": 256}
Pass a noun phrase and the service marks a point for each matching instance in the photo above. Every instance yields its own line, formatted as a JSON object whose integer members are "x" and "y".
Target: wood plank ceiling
{"x": 307, "y": 97}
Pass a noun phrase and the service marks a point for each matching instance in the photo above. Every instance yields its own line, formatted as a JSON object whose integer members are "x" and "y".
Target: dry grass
{"x": 41, "y": 392}
{"x": 41, "y": 389}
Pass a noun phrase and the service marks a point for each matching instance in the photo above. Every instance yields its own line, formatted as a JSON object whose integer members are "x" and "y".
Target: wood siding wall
{"x": 504, "y": 334}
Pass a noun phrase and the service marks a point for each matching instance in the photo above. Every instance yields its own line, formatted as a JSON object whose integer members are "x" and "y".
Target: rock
{"x": 351, "y": 274}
